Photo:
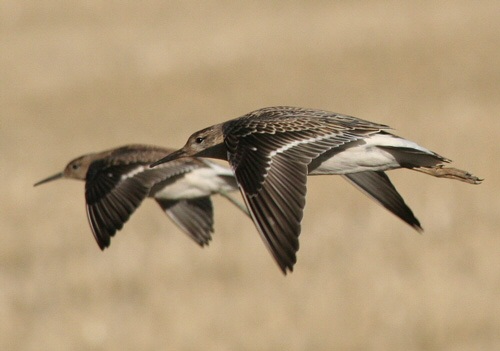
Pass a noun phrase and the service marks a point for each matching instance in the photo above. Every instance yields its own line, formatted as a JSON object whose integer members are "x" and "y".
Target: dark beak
{"x": 51, "y": 178}
{"x": 170, "y": 157}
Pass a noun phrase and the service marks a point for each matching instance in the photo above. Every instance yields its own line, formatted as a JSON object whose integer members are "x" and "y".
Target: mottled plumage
{"x": 274, "y": 149}
{"x": 118, "y": 180}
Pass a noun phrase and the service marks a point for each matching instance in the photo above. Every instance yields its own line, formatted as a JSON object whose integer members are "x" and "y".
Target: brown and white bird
{"x": 273, "y": 150}
{"x": 118, "y": 180}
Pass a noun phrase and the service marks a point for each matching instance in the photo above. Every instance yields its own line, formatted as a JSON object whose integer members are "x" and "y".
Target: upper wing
{"x": 111, "y": 200}
{"x": 114, "y": 190}
{"x": 270, "y": 165}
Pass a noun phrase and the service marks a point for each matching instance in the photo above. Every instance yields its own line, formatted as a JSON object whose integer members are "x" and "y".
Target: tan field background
{"x": 82, "y": 76}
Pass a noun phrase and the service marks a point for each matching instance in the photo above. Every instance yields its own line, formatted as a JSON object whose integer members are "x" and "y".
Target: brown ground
{"x": 90, "y": 75}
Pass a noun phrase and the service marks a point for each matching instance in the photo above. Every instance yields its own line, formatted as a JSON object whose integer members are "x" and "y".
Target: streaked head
{"x": 208, "y": 142}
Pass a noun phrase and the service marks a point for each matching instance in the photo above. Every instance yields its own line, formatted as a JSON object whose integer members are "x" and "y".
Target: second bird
{"x": 118, "y": 180}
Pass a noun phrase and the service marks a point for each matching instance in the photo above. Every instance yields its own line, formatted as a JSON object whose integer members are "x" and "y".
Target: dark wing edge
{"x": 109, "y": 208}
{"x": 273, "y": 185}
{"x": 271, "y": 167}
{"x": 113, "y": 191}
{"x": 378, "y": 186}
{"x": 277, "y": 209}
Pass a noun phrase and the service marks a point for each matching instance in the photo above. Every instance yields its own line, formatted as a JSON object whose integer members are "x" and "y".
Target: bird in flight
{"x": 272, "y": 151}
{"x": 118, "y": 180}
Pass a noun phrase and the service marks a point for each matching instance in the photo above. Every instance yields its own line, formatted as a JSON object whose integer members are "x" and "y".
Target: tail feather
{"x": 410, "y": 158}
{"x": 429, "y": 163}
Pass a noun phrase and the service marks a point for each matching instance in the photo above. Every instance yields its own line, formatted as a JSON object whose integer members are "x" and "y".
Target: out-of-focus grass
{"x": 85, "y": 76}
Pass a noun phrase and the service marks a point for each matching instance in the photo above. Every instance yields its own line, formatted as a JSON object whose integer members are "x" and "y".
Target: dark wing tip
{"x": 378, "y": 186}
{"x": 285, "y": 269}
{"x": 101, "y": 228}
{"x": 416, "y": 225}
{"x": 103, "y": 244}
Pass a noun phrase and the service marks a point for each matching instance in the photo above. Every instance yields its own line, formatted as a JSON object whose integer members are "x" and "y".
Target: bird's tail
{"x": 429, "y": 162}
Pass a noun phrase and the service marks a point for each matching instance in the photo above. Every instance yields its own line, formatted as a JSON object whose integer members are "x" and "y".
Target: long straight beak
{"x": 51, "y": 178}
{"x": 170, "y": 157}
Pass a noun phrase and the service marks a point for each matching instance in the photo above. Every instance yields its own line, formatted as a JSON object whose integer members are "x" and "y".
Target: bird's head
{"x": 75, "y": 169}
{"x": 208, "y": 142}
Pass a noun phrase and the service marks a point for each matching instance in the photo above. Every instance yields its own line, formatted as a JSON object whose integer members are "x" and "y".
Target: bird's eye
{"x": 199, "y": 140}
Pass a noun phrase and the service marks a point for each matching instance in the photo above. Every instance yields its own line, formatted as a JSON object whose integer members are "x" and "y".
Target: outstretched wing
{"x": 270, "y": 160}
{"x": 111, "y": 199}
{"x": 114, "y": 190}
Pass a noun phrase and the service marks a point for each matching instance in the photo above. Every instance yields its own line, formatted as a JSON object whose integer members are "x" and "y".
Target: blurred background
{"x": 78, "y": 77}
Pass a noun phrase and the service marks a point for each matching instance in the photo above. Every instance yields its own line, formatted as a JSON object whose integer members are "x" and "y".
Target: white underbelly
{"x": 366, "y": 156}
{"x": 357, "y": 159}
{"x": 199, "y": 182}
